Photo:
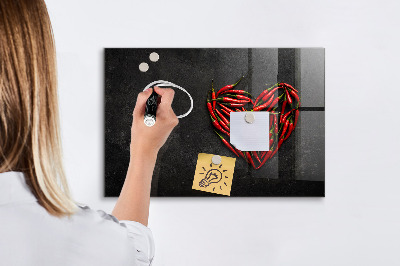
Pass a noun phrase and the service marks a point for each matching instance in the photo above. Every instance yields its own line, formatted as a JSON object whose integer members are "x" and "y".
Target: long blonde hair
{"x": 29, "y": 120}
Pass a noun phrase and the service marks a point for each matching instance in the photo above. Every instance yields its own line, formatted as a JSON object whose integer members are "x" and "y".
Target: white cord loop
{"x": 164, "y": 83}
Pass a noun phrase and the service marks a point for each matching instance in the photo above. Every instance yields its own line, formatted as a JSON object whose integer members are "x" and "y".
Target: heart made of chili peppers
{"x": 282, "y": 121}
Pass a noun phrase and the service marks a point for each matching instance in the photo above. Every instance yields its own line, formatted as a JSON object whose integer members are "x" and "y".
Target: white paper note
{"x": 250, "y": 136}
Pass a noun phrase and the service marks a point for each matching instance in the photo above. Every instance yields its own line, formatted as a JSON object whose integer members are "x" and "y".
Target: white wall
{"x": 358, "y": 221}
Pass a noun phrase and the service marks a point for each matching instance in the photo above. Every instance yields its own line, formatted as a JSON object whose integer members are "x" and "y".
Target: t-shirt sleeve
{"x": 143, "y": 240}
{"x": 140, "y": 236}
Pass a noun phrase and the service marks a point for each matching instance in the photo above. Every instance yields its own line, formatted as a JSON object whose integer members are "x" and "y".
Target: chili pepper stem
{"x": 237, "y": 82}
{"x": 227, "y": 144}
{"x": 218, "y": 134}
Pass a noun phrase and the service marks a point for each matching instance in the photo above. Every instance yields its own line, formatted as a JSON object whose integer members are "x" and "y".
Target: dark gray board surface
{"x": 298, "y": 169}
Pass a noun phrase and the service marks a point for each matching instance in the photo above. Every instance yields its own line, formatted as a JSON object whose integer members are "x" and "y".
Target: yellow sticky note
{"x": 214, "y": 178}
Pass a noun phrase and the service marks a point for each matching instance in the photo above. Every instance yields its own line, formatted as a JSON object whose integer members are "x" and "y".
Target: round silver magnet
{"x": 144, "y": 67}
{"x": 216, "y": 159}
{"x": 154, "y": 57}
{"x": 249, "y": 118}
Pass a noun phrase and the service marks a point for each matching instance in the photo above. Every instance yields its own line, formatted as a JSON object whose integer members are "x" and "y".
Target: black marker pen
{"x": 151, "y": 109}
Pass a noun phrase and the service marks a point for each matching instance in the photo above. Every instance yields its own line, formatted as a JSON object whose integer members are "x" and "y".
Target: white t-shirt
{"x": 31, "y": 236}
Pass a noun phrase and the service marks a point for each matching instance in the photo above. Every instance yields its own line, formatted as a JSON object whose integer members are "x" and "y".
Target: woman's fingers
{"x": 167, "y": 95}
{"x": 141, "y": 103}
{"x": 165, "y": 109}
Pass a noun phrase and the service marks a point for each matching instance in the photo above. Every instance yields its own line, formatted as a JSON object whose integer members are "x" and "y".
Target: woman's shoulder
{"x": 90, "y": 216}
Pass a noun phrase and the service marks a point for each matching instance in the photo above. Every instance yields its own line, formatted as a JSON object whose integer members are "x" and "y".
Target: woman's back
{"x": 29, "y": 235}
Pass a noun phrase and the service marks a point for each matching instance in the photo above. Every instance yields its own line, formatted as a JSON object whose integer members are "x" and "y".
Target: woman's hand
{"x": 134, "y": 200}
{"x": 148, "y": 140}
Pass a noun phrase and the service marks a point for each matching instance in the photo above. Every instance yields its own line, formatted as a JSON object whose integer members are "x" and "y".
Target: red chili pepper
{"x": 265, "y": 105}
{"x": 284, "y": 127}
{"x": 273, "y": 153}
{"x": 222, "y": 117}
{"x": 213, "y": 93}
{"x": 218, "y": 126}
{"x": 225, "y": 112}
{"x": 241, "y": 97}
{"x": 210, "y": 110}
{"x": 289, "y": 99}
{"x": 271, "y": 141}
{"x": 289, "y": 86}
{"x": 294, "y": 94}
{"x": 289, "y": 130}
{"x": 262, "y": 94}
{"x": 240, "y": 152}
{"x": 230, "y": 100}
{"x": 275, "y": 133}
{"x": 279, "y": 143}
{"x": 226, "y": 108}
{"x": 244, "y": 110}
{"x": 296, "y": 117}
{"x": 238, "y": 110}
{"x": 265, "y": 97}
{"x": 256, "y": 156}
{"x": 259, "y": 97}
{"x": 233, "y": 104}
{"x": 283, "y": 110}
{"x": 222, "y": 123}
{"x": 269, "y": 94}
{"x": 263, "y": 154}
{"x": 236, "y": 92}
{"x": 271, "y": 119}
{"x": 249, "y": 159}
{"x": 228, "y": 87}
{"x": 227, "y": 144}
{"x": 267, "y": 156}
{"x": 273, "y": 104}
{"x": 286, "y": 115}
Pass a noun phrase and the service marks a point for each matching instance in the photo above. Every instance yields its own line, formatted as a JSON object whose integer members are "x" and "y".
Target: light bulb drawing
{"x": 213, "y": 176}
